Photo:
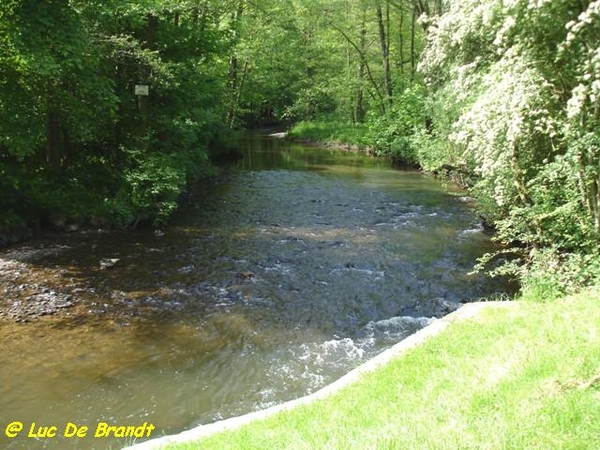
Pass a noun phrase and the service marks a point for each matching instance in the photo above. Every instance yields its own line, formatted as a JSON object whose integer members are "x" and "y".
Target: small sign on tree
{"x": 142, "y": 90}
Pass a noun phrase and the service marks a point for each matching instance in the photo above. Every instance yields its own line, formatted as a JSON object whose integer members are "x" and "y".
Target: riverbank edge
{"x": 446, "y": 172}
{"x": 333, "y": 145}
{"x": 24, "y": 232}
{"x": 467, "y": 311}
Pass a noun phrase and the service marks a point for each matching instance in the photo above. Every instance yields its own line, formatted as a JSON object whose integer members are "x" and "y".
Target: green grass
{"x": 330, "y": 132}
{"x": 522, "y": 377}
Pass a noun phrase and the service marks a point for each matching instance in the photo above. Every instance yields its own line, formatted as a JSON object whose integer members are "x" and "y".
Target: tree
{"x": 516, "y": 88}
{"x": 75, "y": 143}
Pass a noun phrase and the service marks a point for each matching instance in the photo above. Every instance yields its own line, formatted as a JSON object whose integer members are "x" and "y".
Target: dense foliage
{"x": 505, "y": 92}
{"x": 76, "y": 143}
{"x": 342, "y": 62}
{"x": 516, "y": 94}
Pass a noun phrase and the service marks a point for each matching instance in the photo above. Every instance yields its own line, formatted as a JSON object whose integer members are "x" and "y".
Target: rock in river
{"x": 108, "y": 263}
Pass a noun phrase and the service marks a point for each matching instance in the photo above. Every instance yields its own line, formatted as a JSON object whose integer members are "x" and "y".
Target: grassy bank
{"x": 331, "y": 133}
{"x": 522, "y": 377}
{"x": 398, "y": 142}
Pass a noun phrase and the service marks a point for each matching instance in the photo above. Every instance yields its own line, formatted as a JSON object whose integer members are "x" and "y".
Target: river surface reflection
{"x": 294, "y": 267}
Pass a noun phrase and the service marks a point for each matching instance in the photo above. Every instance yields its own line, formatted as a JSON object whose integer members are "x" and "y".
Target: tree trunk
{"x": 54, "y": 148}
{"x": 520, "y": 184}
{"x": 413, "y": 57}
{"x": 235, "y": 88}
{"x": 377, "y": 96}
{"x": 143, "y": 102}
{"x": 239, "y": 89}
{"x": 117, "y": 137}
{"x": 590, "y": 189}
{"x": 400, "y": 63}
{"x": 385, "y": 54}
{"x": 359, "y": 106}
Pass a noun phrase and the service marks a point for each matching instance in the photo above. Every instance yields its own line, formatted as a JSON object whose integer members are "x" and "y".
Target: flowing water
{"x": 293, "y": 268}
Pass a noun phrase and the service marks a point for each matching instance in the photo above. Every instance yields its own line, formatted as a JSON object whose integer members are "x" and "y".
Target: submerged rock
{"x": 437, "y": 307}
{"x": 246, "y": 275}
{"x": 37, "y": 305}
{"x": 281, "y": 135}
{"x": 108, "y": 263}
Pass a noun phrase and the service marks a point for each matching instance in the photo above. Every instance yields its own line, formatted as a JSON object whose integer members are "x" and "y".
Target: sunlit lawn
{"x": 523, "y": 377}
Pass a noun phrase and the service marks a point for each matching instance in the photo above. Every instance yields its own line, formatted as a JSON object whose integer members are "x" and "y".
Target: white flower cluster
{"x": 508, "y": 109}
{"x": 576, "y": 103}
{"x": 466, "y": 20}
{"x": 579, "y": 44}
{"x": 588, "y": 17}
{"x": 518, "y": 95}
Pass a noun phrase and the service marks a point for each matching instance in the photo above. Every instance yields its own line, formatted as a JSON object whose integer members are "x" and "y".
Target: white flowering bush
{"x": 524, "y": 115}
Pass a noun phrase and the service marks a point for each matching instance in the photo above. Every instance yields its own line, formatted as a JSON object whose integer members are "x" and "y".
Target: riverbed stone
{"x": 108, "y": 263}
{"x": 37, "y": 305}
{"x": 436, "y": 307}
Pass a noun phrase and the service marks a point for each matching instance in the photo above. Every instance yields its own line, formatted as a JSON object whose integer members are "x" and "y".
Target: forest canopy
{"x": 78, "y": 145}
{"x": 506, "y": 93}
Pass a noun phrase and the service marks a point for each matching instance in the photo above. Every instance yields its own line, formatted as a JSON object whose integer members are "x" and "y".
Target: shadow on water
{"x": 295, "y": 266}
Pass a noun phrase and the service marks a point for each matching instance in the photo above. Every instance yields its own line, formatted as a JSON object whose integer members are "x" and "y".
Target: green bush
{"x": 552, "y": 273}
{"x": 331, "y": 132}
{"x": 152, "y": 186}
{"x": 392, "y": 134}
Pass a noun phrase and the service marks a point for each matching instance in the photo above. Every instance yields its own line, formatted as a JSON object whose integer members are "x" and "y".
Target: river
{"x": 287, "y": 271}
